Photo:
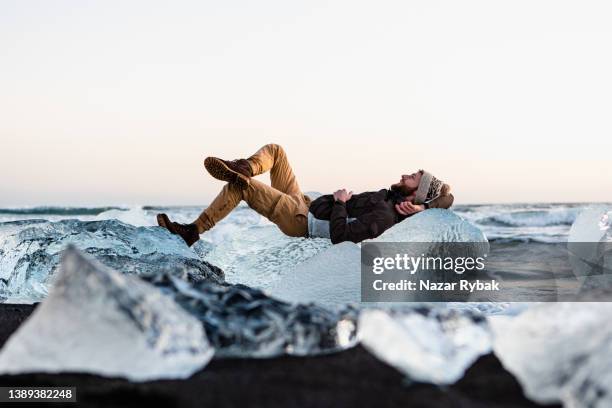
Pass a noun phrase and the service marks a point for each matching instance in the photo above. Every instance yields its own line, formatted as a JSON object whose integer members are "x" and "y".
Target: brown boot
{"x": 235, "y": 171}
{"x": 189, "y": 232}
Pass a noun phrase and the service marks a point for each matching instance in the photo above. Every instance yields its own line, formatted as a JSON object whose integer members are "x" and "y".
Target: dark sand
{"x": 353, "y": 378}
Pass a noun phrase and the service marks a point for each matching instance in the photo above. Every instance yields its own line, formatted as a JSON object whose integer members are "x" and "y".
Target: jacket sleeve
{"x": 444, "y": 201}
{"x": 364, "y": 227}
{"x": 321, "y": 207}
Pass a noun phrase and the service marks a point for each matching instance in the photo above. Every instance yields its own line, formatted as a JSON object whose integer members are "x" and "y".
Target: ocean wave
{"x": 64, "y": 211}
{"x": 532, "y": 218}
{"x": 134, "y": 216}
{"x": 528, "y": 240}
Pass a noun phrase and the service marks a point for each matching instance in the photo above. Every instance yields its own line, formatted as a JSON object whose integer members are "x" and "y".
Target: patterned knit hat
{"x": 429, "y": 188}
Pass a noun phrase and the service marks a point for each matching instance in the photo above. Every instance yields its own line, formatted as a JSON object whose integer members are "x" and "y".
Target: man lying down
{"x": 341, "y": 216}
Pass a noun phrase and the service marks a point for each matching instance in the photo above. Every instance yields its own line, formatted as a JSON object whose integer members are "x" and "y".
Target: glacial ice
{"x": 433, "y": 225}
{"x": 30, "y": 253}
{"x": 559, "y": 352}
{"x": 258, "y": 256}
{"x": 590, "y": 249}
{"x": 241, "y": 321}
{"x": 432, "y": 345}
{"x": 330, "y": 278}
{"x": 96, "y": 320}
{"x": 592, "y": 225}
{"x": 333, "y": 276}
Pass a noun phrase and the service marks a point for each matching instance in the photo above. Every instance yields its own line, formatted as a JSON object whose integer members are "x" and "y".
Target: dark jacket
{"x": 374, "y": 212}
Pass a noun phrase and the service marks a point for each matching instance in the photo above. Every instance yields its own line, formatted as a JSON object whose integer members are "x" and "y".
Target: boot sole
{"x": 221, "y": 171}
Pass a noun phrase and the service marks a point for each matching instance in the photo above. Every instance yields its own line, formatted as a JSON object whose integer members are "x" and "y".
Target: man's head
{"x": 420, "y": 187}
{"x": 408, "y": 185}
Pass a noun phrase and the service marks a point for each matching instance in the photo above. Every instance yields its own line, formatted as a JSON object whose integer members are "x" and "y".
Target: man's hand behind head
{"x": 408, "y": 208}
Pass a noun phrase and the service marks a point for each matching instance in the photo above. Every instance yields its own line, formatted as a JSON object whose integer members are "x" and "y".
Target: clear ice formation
{"x": 30, "y": 253}
{"x": 433, "y": 225}
{"x": 590, "y": 248}
{"x": 237, "y": 320}
{"x": 241, "y": 321}
{"x": 258, "y": 256}
{"x": 592, "y": 225}
{"x": 432, "y": 345}
{"x": 333, "y": 276}
{"x": 97, "y": 320}
{"x": 559, "y": 352}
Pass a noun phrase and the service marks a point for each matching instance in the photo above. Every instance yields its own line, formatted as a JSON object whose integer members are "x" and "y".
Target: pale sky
{"x": 108, "y": 102}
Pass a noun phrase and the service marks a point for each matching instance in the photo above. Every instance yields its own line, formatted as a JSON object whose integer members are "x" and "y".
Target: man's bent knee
{"x": 276, "y": 148}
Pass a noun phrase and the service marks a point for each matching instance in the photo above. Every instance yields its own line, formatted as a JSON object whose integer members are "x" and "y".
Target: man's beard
{"x": 402, "y": 189}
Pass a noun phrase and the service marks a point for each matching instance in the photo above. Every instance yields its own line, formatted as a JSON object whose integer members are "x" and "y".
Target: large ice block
{"x": 97, "y": 320}
{"x": 30, "y": 253}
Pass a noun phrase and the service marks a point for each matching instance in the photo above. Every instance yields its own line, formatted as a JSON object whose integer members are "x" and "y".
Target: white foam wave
{"x": 533, "y": 218}
{"x": 134, "y": 216}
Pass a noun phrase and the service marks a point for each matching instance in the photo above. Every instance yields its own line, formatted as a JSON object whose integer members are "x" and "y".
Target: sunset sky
{"x": 120, "y": 102}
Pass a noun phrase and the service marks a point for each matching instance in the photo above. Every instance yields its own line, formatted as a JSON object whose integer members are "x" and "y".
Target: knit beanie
{"x": 429, "y": 188}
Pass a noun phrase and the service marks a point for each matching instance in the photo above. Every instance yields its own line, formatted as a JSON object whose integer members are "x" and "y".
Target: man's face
{"x": 408, "y": 184}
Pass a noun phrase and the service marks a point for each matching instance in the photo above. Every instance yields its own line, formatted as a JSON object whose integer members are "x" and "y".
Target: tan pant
{"x": 283, "y": 203}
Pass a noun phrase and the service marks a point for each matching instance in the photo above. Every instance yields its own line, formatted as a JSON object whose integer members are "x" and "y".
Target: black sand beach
{"x": 353, "y": 378}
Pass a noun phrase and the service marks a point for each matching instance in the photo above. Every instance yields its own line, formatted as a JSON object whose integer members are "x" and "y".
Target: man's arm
{"x": 321, "y": 207}
{"x": 364, "y": 227}
{"x": 339, "y": 230}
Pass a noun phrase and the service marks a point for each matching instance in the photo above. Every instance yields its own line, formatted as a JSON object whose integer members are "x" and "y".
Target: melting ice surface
{"x": 97, "y": 320}
{"x": 431, "y": 345}
{"x": 30, "y": 252}
{"x": 590, "y": 248}
{"x": 559, "y": 352}
{"x": 162, "y": 326}
{"x": 244, "y": 322}
{"x": 333, "y": 277}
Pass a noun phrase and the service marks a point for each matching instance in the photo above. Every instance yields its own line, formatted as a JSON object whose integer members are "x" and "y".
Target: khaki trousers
{"x": 283, "y": 202}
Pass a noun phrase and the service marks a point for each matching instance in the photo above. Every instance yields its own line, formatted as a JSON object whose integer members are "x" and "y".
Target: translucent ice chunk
{"x": 428, "y": 345}
{"x": 244, "y": 322}
{"x": 333, "y": 276}
{"x": 434, "y": 225}
{"x": 96, "y": 320}
{"x": 30, "y": 253}
{"x": 559, "y": 352}
{"x": 590, "y": 248}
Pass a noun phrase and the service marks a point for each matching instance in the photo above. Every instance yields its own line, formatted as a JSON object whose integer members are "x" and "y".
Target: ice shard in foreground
{"x": 559, "y": 352}
{"x": 430, "y": 345}
{"x": 241, "y": 321}
{"x": 97, "y": 320}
